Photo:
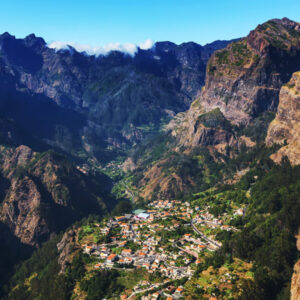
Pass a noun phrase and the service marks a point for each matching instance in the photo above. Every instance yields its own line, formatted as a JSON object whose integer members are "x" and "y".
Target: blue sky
{"x": 102, "y": 22}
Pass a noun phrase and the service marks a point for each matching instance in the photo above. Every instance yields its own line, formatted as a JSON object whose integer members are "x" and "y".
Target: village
{"x": 167, "y": 239}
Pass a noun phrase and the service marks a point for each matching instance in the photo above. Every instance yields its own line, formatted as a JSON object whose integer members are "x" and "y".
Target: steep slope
{"x": 233, "y": 109}
{"x": 85, "y": 103}
{"x": 41, "y": 193}
{"x": 285, "y": 128}
{"x": 243, "y": 81}
{"x": 46, "y": 193}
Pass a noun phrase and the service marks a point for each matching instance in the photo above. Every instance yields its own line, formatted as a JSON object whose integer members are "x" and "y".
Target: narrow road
{"x": 204, "y": 236}
{"x": 154, "y": 286}
{"x": 192, "y": 253}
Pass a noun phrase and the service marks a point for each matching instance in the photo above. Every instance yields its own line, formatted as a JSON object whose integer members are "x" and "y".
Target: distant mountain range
{"x": 84, "y": 104}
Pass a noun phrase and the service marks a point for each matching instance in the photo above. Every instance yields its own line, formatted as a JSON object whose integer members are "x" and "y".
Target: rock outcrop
{"x": 243, "y": 80}
{"x": 285, "y": 128}
{"x": 295, "y": 283}
{"x": 45, "y": 193}
{"x": 67, "y": 247}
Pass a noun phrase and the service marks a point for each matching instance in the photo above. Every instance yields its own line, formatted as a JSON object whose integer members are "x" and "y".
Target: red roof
{"x": 112, "y": 256}
{"x": 127, "y": 251}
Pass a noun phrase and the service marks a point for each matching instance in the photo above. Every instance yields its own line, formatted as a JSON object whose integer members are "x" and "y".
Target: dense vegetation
{"x": 103, "y": 284}
{"x": 267, "y": 232}
{"x": 39, "y": 278}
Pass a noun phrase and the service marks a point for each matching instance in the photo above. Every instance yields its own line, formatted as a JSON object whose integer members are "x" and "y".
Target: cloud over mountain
{"x": 129, "y": 48}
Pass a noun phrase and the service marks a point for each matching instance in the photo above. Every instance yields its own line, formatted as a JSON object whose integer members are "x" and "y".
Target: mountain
{"x": 284, "y": 129}
{"x": 227, "y": 145}
{"x": 85, "y": 104}
{"x": 41, "y": 194}
{"x": 233, "y": 110}
{"x": 243, "y": 81}
{"x": 46, "y": 193}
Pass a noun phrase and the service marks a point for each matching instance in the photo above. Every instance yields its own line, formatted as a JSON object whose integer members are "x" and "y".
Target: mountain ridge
{"x": 108, "y": 95}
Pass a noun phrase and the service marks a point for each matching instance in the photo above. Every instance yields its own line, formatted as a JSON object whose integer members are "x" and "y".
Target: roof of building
{"x": 127, "y": 250}
{"x": 143, "y": 215}
{"x": 112, "y": 256}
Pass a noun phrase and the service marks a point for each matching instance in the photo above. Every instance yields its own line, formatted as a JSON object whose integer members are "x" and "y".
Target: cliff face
{"x": 243, "y": 80}
{"x": 285, "y": 128}
{"x": 67, "y": 246}
{"x": 45, "y": 193}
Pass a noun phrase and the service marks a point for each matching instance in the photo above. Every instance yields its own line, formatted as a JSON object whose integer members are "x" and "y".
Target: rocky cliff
{"x": 285, "y": 128}
{"x": 67, "y": 247}
{"x": 45, "y": 193}
{"x": 243, "y": 81}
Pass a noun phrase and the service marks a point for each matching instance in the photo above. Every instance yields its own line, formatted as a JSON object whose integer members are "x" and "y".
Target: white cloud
{"x": 148, "y": 44}
{"x": 128, "y": 48}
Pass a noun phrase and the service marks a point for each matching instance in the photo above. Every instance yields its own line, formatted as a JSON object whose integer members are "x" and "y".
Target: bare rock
{"x": 285, "y": 128}
{"x": 66, "y": 248}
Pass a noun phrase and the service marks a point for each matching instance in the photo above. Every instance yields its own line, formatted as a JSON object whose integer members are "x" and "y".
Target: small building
{"x": 111, "y": 258}
{"x": 88, "y": 249}
{"x": 97, "y": 266}
{"x": 126, "y": 252}
{"x": 139, "y": 211}
{"x": 128, "y": 260}
{"x": 179, "y": 290}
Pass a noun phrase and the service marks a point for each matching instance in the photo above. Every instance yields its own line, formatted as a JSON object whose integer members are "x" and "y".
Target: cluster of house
{"x": 169, "y": 293}
{"x": 151, "y": 255}
{"x": 141, "y": 229}
{"x": 146, "y": 258}
{"x": 83, "y": 169}
{"x": 207, "y": 219}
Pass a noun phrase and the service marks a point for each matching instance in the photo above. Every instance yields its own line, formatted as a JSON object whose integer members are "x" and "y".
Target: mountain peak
{"x": 6, "y": 35}
{"x": 279, "y": 33}
{"x": 32, "y": 40}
